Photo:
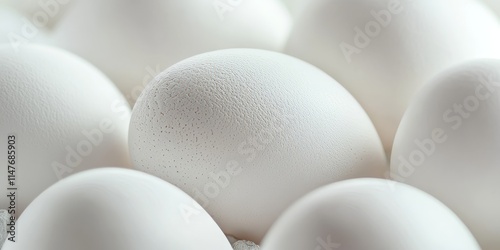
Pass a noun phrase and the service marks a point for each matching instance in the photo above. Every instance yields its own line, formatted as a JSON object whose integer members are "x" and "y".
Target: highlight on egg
{"x": 448, "y": 142}
{"x": 368, "y": 214}
{"x": 246, "y": 132}
{"x": 133, "y": 41}
{"x": 59, "y": 115}
{"x": 382, "y": 51}
{"x": 115, "y": 209}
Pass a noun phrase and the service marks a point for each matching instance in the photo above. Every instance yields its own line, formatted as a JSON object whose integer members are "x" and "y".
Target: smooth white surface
{"x": 16, "y": 30}
{"x": 461, "y": 165}
{"x": 114, "y": 209}
{"x": 9, "y": 21}
{"x": 132, "y": 41}
{"x": 284, "y": 125}
{"x": 48, "y": 99}
{"x": 418, "y": 41}
{"x": 46, "y": 13}
{"x": 296, "y": 6}
{"x": 365, "y": 214}
{"x": 494, "y": 5}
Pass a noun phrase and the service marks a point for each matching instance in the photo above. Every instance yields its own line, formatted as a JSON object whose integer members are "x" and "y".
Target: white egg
{"x": 383, "y": 50}
{"x": 132, "y": 41}
{"x": 115, "y": 209}
{"x": 364, "y": 214}
{"x": 448, "y": 142}
{"x": 59, "y": 115}
{"x": 246, "y": 132}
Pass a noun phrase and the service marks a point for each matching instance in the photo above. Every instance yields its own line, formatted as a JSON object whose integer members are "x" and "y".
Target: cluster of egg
{"x": 295, "y": 124}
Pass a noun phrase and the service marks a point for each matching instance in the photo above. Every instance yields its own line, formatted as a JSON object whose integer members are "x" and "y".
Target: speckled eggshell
{"x": 115, "y": 209}
{"x": 383, "y": 60}
{"x": 133, "y": 41}
{"x": 448, "y": 145}
{"x": 65, "y": 115}
{"x": 367, "y": 213}
{"x": 246, "y": 132}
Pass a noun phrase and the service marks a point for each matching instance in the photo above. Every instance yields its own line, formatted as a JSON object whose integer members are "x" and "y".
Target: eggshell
{"x": 368, "y": 214}
{"x": 246, "y": 132}
{"x": 132, "y": 41}
{"x": 383, "y": 60}
{"x": 59, "y": 115}
{"x": 115, "y": 209}
{"x": 448, "y": 142}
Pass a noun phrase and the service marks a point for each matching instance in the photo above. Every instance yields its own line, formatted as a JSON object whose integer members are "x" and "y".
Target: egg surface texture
{"x": 246, "y": 132}
{"x": 448, "y": 144}
{"x": 115, "y": 209}
{"x": 383, "y": 50}
{"x": 58, "y": 115}
{"x": 132, "y": 41}
{"x": 365, "y": 214}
